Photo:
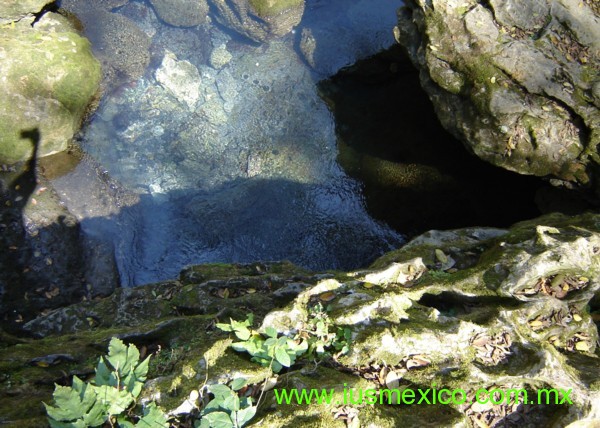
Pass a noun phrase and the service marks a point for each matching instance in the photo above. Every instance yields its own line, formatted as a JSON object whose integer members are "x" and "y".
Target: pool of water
{"x": 223, "y": 151}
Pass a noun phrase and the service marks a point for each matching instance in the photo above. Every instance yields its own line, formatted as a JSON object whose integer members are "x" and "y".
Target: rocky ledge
{"x": 470, "y": 308}
{"x": 516, "y": 80}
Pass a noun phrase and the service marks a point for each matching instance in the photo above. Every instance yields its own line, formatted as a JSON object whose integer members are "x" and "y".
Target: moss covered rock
{"x": 49, "y": 77}
{"x": 464, "y": 309}
{"x": 16, "y": 10}
{"x": 513, "y": 80}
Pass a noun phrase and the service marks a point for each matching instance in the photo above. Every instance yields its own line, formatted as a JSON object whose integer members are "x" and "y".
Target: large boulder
{"x": 259, "y": 19}
{"x": 516, "y": 81}
{"x": 49, "y": 77}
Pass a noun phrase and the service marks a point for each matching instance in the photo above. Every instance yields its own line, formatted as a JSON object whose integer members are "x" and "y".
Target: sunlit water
{"x": 242, "y": 167}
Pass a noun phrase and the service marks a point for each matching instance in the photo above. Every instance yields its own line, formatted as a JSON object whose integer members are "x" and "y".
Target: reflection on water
{"x": 223, "y": 150}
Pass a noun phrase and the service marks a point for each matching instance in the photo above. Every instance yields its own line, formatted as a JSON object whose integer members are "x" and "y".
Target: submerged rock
{"x": 513, "y": 311}
{"x": 259, "y": 19}
{"x": 118, "y": 42}
{"x": 181, "y": 13}
{"x": 181, "y": 78}
{"x": 49, "y": 77}
{"x": 513, "y": 80}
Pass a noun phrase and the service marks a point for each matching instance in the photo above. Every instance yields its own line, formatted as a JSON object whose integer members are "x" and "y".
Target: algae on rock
{"x": 512, "y": 312}
{"x": 49, "y": 78}
{"x": 513, "y": 80}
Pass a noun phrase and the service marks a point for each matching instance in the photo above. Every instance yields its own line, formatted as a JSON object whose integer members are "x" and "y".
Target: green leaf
{"x": 321, "y": 328}
{"x": 202, "y": 423}
{"x": 153, "y": 418}
{"x": 77, "y": 424}
{"x": 231, "y": 403}
{"x": 271, "y": 332}
{"x": 218, "y": 420}
{"x": 68, "y": 404}
{"x": 114, "y": 400}
{"x": 224, "y": 327}
{"x": 243, "y": 416}
{"x": 276, "y": 367}
{"x": 238, "y": 383}
{"x": 124, "y": 423}
{"x": 283, "y": 357}
{"x": 249, "y": 319}
{"x": 104, "y": 375}
{"x": 242, "y": 332}
{"x": 220, "y": 391}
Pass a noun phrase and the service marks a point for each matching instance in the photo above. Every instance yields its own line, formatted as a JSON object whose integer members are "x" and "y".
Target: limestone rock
{"x": 49, "y": 76}
{"x": 514, "y": 80}
{"x": 259, "y": 19}
{"x": 15, "y": 10}
{"x": 181, "y": 13}
{"x": 517, "y": 312}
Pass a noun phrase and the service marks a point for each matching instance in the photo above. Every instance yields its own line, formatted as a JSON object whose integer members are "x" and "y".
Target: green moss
{"x": 50, "y": 79}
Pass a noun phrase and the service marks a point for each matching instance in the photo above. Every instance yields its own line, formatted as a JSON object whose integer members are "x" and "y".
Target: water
{"x": 223, "y": 151}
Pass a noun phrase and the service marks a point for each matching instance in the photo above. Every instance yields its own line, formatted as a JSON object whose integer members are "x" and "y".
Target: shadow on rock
{"x": 45, "y": 260}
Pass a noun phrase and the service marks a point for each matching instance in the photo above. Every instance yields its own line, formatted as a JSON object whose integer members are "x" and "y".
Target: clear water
{"x": 242, "y": 166}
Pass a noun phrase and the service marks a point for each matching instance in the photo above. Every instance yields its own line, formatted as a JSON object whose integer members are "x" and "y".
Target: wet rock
{"x": 16, "y": 10}
{"x": 181, "y": 13}
{"x": 49, "y": 78}
{"x": 513, "y": 80}
{"x": 120, "y": 45}
{"x": 259, "y": 19}
{"x": 181, "y": 78}
{"x": 220, "y": 57}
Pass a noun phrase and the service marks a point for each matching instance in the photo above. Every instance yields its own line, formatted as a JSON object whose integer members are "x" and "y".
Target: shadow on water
{"x": 50, "y": 262}
{"x": 244, "y": 220}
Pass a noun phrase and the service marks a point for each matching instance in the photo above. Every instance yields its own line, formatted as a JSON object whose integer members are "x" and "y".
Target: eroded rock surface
{"x": 470, "y": 308}
{"x": 516, "y": 81}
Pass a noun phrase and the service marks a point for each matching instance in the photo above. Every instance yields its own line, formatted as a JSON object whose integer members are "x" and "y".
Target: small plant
{"x": 227, "y": 409}
{"x": 319, "y": 337}
{"x": 120, "y": 377}
{"x": 277, "y": 352}
{"x": 271, "y": 351}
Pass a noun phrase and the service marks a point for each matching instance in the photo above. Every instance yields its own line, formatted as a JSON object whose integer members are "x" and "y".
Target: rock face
{"x": 181, "y": 13}
{"x": 259, "y": 19}
{"x": 15, "y": 10}
{"x": 49, "y": 76}
{"x": 464, "y": 309}
{"x": 516, "y": 81}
